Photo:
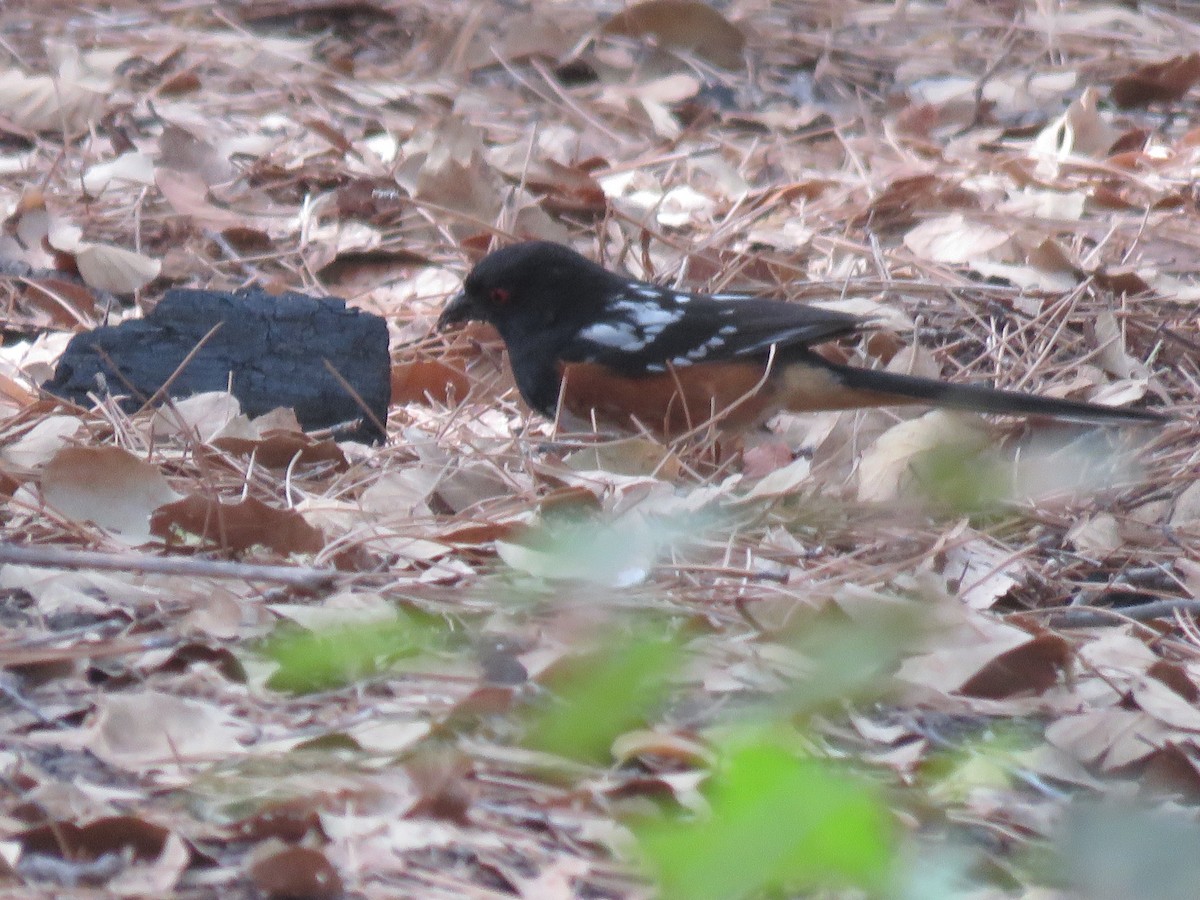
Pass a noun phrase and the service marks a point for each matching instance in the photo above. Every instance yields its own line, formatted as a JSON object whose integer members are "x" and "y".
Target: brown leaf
{"x": 1032, "y": 667}
{"x": 112, "y": 834}
{"x": 684, "y": 25}
{"x": 356, "y": 271}
{"x": 247, "y": 240}
{"x": 442, "y": 780}
{"x": 376, "y": 201}
{"x": 484, "y": 533}
{"x": 567, "y": 190}
{"x": 422, "y": 379}
{"x": 180, "y": 83}
{"x": 1172, "y": 769}
{"x": 454, "y": 173}
{"x": 296, "y": 873}
{"x": 237, "y": 526}
{"x": 286, "y": 820}
{"x": 906, "y": 200}
{"x": 675, "y": 749}
{"x": 1161, "y": 82}
{"x": 68, "y": 304}
{"x": 1175, "y": 676}
{"x": 280, "y": 449}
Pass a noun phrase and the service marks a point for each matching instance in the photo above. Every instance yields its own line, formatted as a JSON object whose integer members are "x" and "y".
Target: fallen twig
{"x": 301, "y": 577}
{"x": 1093, "y": 616}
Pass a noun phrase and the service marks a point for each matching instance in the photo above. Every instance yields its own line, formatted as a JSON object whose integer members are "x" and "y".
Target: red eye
{"x": 500, "y": 296}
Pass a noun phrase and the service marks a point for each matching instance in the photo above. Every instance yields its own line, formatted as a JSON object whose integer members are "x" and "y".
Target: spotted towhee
{"x": 619, "y": 352}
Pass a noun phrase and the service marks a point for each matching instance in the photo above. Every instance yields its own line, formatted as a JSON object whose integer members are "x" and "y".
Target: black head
{"x": 529, "y": 287}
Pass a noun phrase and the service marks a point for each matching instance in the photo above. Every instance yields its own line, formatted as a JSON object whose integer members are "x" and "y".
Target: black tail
{"x": 977, "y": 398}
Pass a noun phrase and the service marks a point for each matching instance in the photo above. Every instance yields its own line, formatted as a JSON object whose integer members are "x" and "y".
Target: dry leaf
{"x": 685, "y": 25}
{"x": 38, "y": 445}
{"x": 1162, "y": 82}
{"x": 114, "y": 269}
{"x": 661, "y": 745}
{"x": 420, "y": 380}
{"x": 452, "y": 172}
{"x": 1098, "y": 536}
{"x": 886, "y": 469}
{"x": 1112, "y": 355}
{"x": 627, "y": 456}
{"x": 1186, "y": 510}
{"x": 1033, "y": 667}
{"x": 67, "y": 303}
{"x": 389, "y": 736}
{"x": 107, "y": 486}
{"x": 781, "y": 482}
{"x": 236, "y": 526}
{"x": 954, "y": 239}
{"x": 293, "y": 872}
{"x": 181, "y": 150}
{"x": 1168, "y": 707}
{"x": 128, "y": 168}
{"x": 142, "y": 729}
{"x": 157, "y": 878}
{"x": 1111, "y": 738}
{"x": 201, "y": 416}
{"x": 46, "y": 103}
{"x": 981, "y": 573}
{"x": 947, "y": 668}
{"x": 187, "y": 193}
{"x": 1079, "y": 132}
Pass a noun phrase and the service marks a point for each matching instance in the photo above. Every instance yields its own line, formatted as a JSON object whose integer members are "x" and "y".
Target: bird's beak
{"x": 458, "y": 309}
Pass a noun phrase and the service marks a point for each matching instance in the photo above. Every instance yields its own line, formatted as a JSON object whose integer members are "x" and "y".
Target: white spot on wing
{"x": 649, "y": 291}
{"x": 620, "y": 335}
{"x": 727, "y": 330}
{"x": 651, "y": 316}
{"x": 682, "y": 298}
{"x": 680, "y": 361}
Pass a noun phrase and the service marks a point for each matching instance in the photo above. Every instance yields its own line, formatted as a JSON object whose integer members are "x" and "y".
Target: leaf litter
{"x": 1016, "y": 197}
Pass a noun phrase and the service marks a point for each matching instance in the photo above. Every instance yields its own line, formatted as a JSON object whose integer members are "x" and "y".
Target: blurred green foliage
{"x": 777, "y": 820}
{"x": 311, "y": 661}
{"x": 603, "y": 695}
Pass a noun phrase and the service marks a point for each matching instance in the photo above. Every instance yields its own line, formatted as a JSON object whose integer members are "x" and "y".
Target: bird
{"x": 615, "y": 352}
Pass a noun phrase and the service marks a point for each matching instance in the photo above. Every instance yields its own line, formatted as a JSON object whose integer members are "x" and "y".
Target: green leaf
{"x": 320, "y": 660}
{"x": 604, "y": 695}
{"x": 777, "y": 820}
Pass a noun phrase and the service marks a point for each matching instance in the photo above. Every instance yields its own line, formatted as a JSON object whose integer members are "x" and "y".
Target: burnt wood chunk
{"x": 271, "y": 350}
